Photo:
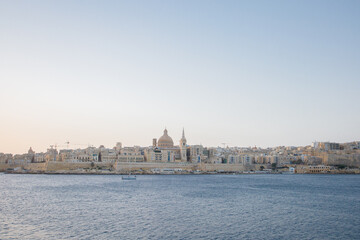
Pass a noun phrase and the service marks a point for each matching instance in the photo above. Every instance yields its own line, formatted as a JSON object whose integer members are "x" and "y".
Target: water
{"x": 180, "y": 207}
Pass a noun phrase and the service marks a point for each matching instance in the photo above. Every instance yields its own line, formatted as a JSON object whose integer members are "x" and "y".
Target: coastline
{"x": 146, "y": 168}
{"x": 164, "y": 174}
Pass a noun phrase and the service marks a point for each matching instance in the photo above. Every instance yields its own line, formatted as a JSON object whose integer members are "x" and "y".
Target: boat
{"x": 129, "y": 177}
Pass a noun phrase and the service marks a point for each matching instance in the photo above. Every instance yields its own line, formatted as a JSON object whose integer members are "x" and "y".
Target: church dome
{"x": 165, "y": 141}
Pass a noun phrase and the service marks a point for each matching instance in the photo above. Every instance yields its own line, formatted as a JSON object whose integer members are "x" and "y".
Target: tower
{"x": 118, "y": 147}
{"x": 183, "y": 147}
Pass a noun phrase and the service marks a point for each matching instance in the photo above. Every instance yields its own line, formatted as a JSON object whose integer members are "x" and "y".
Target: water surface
{"x": 180, "y": 207}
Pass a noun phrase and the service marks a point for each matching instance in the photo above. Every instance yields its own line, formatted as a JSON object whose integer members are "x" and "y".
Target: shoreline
{"x": 164, "y": 174}
{"x": 146, "y": 168}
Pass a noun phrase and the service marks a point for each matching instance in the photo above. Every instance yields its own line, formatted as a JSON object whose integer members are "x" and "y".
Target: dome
{"x": 165, "y": 141}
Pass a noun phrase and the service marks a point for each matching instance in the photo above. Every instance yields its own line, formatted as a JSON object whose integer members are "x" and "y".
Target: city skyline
{"x": 246, "y": 73}
{"x": 67, "y": 145}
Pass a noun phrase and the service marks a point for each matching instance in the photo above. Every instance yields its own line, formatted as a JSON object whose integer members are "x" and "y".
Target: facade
{"x": 197, "y": 153}
{"x": 5, "y": 158}
{"x": 163, "y": 150}
{"x": 183, "y": 148}
{"x": 313, "y": 169}
{"x": 130, "y": 154}
{"x": 327, "y": 146}
{"x": 319, "y": 158}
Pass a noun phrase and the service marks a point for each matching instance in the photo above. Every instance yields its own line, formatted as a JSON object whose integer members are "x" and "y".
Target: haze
{"x": 246, "y": 73}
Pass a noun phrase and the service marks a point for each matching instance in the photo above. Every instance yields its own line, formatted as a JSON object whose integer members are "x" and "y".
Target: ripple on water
{"x": 180, "y": 207}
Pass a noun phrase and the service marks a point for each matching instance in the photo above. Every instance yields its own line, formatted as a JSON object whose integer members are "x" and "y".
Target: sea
{"x": 248, "y": 206}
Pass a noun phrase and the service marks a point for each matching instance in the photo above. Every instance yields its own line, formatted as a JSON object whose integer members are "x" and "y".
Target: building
{"x": 131, "y": 154}
{"x": 183, "y": 149}
{"x": 163, "y": 150}
{"x": 327, "y": 146}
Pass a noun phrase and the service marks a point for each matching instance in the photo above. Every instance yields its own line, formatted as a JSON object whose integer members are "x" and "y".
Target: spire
{"x": 183, "y": 136}
{"x": 183, "y": 147}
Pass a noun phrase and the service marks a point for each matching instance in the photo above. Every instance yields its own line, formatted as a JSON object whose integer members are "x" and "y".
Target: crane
{"x": 224, "y": 144}
{"x": 67, "y": 144}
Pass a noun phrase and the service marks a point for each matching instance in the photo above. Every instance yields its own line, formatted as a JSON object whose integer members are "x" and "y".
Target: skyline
{"x": 245, "y": 73}
{"x": 76, "y": 146}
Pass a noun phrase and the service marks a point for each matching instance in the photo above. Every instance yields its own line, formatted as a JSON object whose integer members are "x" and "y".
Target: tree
{"x": 340, "y": 166}
{"x": 273, "y": 166}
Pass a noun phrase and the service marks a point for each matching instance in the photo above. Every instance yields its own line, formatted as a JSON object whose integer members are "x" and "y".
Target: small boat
{"x": 129, "y": 177}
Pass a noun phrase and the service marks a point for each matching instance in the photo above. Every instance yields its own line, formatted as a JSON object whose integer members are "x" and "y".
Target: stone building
{"x": 163, "y": 150}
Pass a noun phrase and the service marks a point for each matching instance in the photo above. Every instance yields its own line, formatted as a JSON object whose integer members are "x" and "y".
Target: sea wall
{"x": 3, "y": 166}
{"x": 222, "y": 167}
{"x": 64, "y": 166}
{"x": 124, "y": 167}
{"x": 25, "y": 166}
{"x": 344, "y": 159}
{"x": 34, "y": 167}
{"x": 37, "y": 167}
{"x": 55, "y": 166}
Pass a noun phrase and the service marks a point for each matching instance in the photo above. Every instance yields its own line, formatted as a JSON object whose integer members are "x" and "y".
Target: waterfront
{"x": 180, "y": 207}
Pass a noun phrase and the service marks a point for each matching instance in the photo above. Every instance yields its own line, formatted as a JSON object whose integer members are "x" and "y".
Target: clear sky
{"x": 246, "y": 73}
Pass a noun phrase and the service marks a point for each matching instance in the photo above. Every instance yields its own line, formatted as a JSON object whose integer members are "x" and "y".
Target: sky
{"x": 244, "y": 73}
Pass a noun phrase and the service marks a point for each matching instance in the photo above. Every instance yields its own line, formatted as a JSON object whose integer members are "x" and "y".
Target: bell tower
{"x": 183, "y": 147}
